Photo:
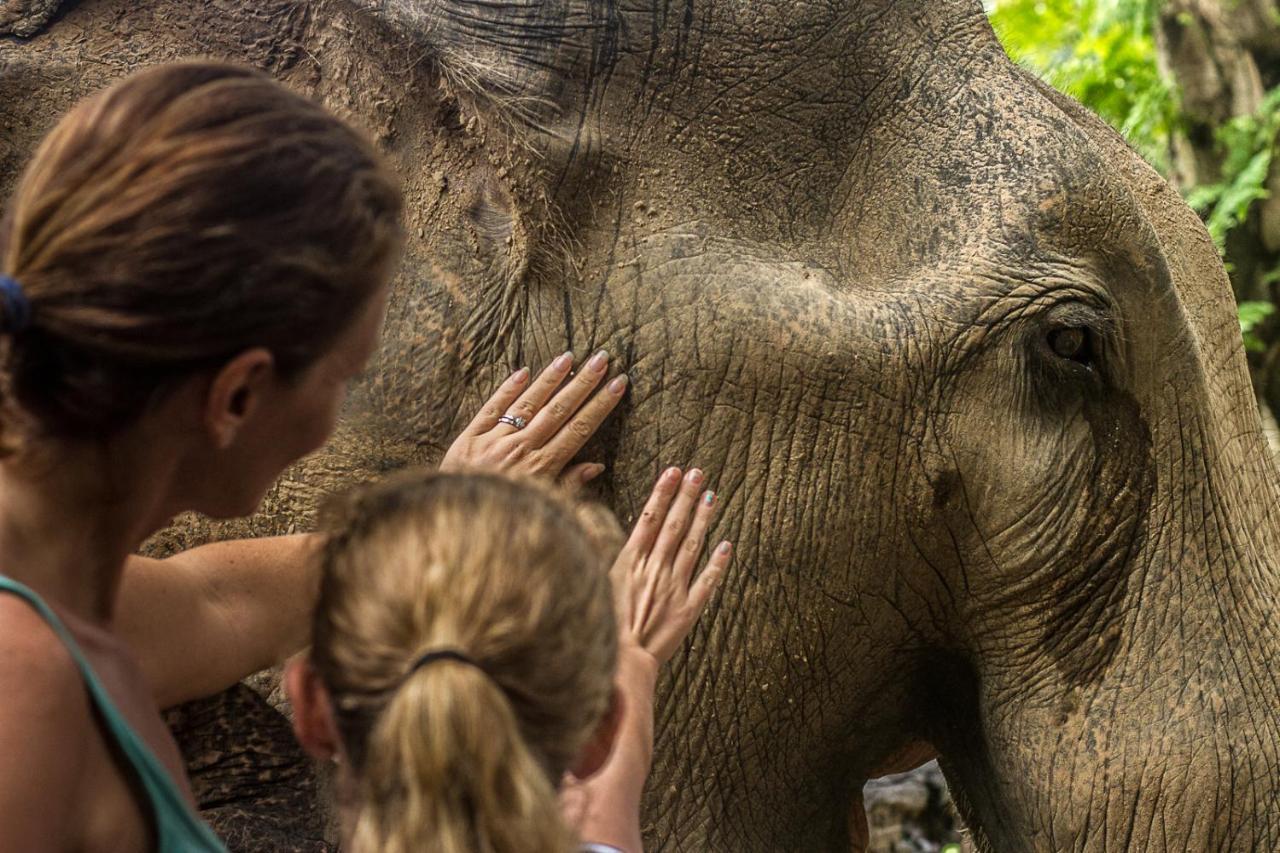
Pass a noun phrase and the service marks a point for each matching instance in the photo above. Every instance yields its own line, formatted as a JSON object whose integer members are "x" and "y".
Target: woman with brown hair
{"x": 457, "y": 676}
{"x": 193, "y": 268}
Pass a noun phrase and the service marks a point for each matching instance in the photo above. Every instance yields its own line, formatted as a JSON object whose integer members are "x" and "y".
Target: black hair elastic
{"x": 439, "y": 655}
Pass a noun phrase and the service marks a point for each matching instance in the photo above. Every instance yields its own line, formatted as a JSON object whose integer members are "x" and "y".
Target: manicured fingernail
{"x": 724, "y": 549}
{"x": 520, "y": 375}
{"x": 619, "y": 384}
{"x": 562, "y": 362}
{"x": 599, "y": 361}
{"x": 671, "y": 474}
{"x": 695, "y": 476}
{"x": 709, "y": 498}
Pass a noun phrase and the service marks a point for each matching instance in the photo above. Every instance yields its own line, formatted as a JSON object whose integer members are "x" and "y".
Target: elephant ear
{"x": 26, "y": 18}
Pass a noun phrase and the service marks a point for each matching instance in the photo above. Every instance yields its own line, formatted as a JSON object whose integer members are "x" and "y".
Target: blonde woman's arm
{"x": 659, "y": 595}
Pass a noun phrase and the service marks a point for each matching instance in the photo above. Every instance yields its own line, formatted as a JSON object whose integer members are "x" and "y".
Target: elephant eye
{"x": 1072, "y": 343}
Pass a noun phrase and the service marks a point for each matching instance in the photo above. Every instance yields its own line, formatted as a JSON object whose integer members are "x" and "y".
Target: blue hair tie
{"x": 17, "y": 310}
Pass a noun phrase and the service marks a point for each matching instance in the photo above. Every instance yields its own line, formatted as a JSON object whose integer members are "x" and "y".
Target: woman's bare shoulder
{"x": 46, "y": 725}
{"x": 39, "y": 679}
{"x": 28, "y": 640}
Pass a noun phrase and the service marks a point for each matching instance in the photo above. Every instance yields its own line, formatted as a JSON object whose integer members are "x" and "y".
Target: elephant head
{"x": 966, "y": 371}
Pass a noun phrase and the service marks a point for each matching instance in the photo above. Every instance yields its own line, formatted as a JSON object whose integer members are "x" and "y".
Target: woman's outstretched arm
{"x": 202, "y": 620}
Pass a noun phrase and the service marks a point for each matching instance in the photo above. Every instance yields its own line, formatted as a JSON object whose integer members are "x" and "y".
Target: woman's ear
{"x": 313, "y": 722}
{"x": 235, "y": 393}
{"x": 595, "y": 752}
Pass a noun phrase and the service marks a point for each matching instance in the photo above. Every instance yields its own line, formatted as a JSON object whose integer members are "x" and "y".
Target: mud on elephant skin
{"x": 967, "y": 370}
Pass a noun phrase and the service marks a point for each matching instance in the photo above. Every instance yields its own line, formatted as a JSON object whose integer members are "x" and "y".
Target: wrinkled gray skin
{"x": 832, "y": 243}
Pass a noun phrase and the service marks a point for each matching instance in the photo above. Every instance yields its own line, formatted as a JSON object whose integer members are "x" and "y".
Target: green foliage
{"x": 1251, "y": 314}
{"x": 1102, "y": 53}
{"x": 1247, "y": 144}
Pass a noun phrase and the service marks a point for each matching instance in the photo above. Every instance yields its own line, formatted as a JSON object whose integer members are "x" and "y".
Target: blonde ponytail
{"x": 463, "y": 754}
{"x": 448, "y": 770}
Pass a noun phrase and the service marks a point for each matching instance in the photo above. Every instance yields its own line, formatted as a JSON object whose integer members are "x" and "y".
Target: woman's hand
{"x": 658, "y": 599}
{"x": 558, "y": 418}
{"x": 657, "y": 595}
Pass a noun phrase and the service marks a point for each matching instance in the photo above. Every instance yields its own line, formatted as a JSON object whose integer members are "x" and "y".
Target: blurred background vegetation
{"x": 1194, "y": 85}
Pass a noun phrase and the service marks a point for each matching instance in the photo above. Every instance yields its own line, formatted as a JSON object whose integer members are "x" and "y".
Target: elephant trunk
{"x": 1181, "y": 727}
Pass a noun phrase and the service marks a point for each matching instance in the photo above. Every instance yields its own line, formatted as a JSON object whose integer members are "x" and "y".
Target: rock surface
{"x": 254, "y": 784}
{"x": 25, "y": 18}
{"x": 913, "y": 813}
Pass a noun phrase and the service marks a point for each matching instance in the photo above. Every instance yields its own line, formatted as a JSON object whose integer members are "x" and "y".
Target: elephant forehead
{"x": 689, "y": 309}
{"x": 684, "y": 276}
{"x": 780, "y": 299}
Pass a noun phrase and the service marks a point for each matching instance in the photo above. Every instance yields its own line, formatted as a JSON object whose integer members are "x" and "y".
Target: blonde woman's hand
{"x": 658, "y": 591}
{"x": 659, "y": 594}
{"x": 536, "y": 428}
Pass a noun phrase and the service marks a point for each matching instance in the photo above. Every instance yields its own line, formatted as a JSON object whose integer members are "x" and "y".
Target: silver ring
{"x": 517, "y": 422}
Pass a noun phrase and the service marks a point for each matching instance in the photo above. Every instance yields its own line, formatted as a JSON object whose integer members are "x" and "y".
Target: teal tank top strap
{"x": 178, "y": 829}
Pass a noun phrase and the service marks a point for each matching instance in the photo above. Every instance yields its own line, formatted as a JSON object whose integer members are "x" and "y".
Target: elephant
{"x": 965, "y": 370}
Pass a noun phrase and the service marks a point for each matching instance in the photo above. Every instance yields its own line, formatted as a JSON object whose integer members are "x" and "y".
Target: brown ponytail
{"x": 457, "y": 756}
{"x": 185, "y": 214}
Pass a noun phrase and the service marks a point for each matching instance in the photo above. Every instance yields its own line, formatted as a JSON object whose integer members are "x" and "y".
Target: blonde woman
{"x": 456, "y": 676}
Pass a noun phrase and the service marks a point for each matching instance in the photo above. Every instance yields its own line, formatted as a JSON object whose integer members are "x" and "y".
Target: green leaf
{"x": 1232, "y": 206}
{"x": 1252, "y": 313}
